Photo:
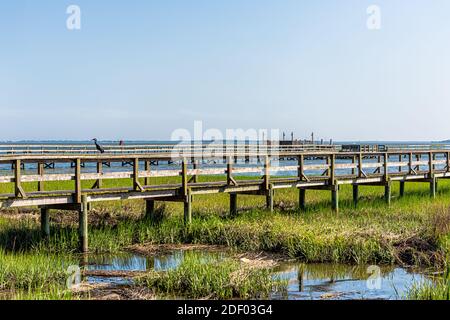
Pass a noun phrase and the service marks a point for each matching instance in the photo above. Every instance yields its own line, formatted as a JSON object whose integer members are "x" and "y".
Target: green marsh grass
{"x": 34, "y": 275}
{"x": 437, "y": 289}
{"x": 207, "y": 277}
{"x": 408, "y": 232}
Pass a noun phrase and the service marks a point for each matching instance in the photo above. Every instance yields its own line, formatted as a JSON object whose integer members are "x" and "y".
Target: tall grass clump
{"x": 438, "y": 289}
{"x": 31, "y": 274}
{"x": 203, "y": 277}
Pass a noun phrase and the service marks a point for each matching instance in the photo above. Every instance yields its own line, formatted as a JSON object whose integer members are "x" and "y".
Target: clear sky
{"x": 141, "y": 69}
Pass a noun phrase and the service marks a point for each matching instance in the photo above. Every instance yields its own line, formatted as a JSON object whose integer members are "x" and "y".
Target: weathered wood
{"x": 77, "y": 196}
{"x": 184, "y": 178}
{"x": 267, "y": 173}
{"x": 40, "y": 173}
{"x": 136, "y": 183}
{"x": 269, "y": 198}
{"x": 147, "y": 170}
{"x": 335, "y": 198}
{"x": 188, "y": 210}
{"x": 83, "y": 225}
{"x": 433, "y": 187}
{"x": 98, "y": 183}
{"x": 302, "y": 199}
{"x": 355, "y": 195}
{"x": 150, "y": 210}
{"x": 45, "y": 222}
{"x": 233, "y": 204}
{"x": 388, "y": 193}
{"x": 19, "y": 192}
{"x": 402, "y": 188}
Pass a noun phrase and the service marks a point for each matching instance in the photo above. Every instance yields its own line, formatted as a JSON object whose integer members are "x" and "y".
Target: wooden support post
{"x": 233, "y": 204}
{"x": 150, "y": 210}
{"x": 335, "y": 198}
{"x": 83, "y": 225}
{"x": 400, "y": 159}
{"x": 302, "y": 199}
{"x": 402, "y": 188}
{"x": 355, "y": 194}
{"x": 45, "y": 222}
{"x": 433, "y": 185}
{"x": 269, "y": 199}
{"x": 77, "y": 198}
{"x": 388, "y": 193}
{"x": 188, "y": 210}
{"x": 41, "y": 173}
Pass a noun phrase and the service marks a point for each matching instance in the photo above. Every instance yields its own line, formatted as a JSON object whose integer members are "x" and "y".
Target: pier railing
{"x": 72, "y": 182}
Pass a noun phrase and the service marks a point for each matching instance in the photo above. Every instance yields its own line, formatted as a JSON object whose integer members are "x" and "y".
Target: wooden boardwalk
{"x": 28, "y": 179}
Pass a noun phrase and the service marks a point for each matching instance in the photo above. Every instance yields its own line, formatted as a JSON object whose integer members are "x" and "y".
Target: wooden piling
{"x": 233, "y": 204}
{"x": 355, "y": 195}
{"x": 302, "y": 199}
{"x": 402, "y": 188}
{"x": 83, "y": 225}
{"x": 388, "y": 193}
{"x": 45, "y": 222}
{"x": 335, "y": 198}
{"x": 150, "y": 210}
{"x": 433, "y": 185}
{"x": 269, "y": 199}
{"x": 188, "y": 210}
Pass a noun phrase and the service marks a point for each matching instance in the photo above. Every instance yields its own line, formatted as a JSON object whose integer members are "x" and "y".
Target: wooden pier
{"x": 29, "y": 175}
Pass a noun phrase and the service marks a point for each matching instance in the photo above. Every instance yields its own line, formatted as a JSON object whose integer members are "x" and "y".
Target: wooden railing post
{"x": 99, "y": 171}
{"x": 77, "y": 181}
{"x": 18, "y": 190}
{"x": 41, "y": 174}
{"x": 267, "y": 173}
{"x": 229, "y": 171}
{"x": 448, "y": 161}
{"x": 430, "y": 164}
{"x": 136, "y": 184}
{"x": 332, "y": 169}
{"x": 410, "y": 165}
{"x": 147, "y": 170}
{"x": 301, "y": 164}
{"x": 360, "y": 165}
{"x": 386, "y": 167}
{"x": 184, "y": 179}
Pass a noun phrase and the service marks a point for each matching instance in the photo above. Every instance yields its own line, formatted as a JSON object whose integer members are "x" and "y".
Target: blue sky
{"x": 141, "y": 69}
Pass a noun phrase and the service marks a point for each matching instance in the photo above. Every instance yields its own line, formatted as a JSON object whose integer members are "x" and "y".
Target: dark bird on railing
{"x": 99, "y": 147}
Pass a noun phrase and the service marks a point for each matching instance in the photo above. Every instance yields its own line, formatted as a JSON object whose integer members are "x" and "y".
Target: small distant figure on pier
{"x": 121, "y": 143}
{"x": 99, "y": 147}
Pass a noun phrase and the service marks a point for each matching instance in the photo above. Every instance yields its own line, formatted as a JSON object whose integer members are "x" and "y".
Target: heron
{"x": 99, "y": 147}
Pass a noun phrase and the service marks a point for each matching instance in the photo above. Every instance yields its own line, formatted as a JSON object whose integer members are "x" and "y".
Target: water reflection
{"x": 305, "y": 281}
{"x": 337, "y": 281}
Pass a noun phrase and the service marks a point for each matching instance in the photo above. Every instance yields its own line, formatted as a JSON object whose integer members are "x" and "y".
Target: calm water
{"x": 306, "y": 281}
